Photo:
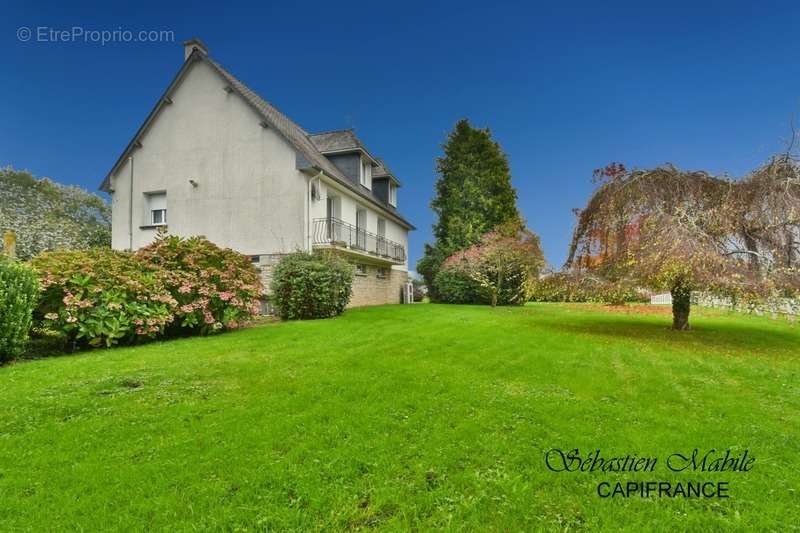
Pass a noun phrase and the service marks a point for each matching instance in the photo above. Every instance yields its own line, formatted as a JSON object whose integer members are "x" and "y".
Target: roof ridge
{"x": 351, "y": 130}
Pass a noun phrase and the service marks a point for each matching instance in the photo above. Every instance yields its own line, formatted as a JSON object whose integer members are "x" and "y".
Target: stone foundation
{"x": 369, "y": 288}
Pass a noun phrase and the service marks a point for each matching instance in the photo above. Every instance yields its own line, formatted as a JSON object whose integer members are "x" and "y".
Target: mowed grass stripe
{"x": 399, "y": 417}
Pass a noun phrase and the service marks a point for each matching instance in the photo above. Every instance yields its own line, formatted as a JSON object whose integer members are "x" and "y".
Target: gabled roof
{"x": 311, "y": 156}
{"x": 338, "y": 141}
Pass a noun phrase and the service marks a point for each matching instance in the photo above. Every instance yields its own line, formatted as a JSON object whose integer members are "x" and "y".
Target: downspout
{"x": 130, "y": 209}
{"x": 308, "y": 214}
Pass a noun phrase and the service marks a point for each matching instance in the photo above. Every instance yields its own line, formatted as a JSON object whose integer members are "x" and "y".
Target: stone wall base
{"x": 372, "y": 285}
{"x": 372, "y": 289}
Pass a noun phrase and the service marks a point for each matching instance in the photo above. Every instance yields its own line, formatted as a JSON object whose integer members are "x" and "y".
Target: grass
{"x": 404, "y": 417}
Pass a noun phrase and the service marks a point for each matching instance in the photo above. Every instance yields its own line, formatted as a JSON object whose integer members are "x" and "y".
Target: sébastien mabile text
{"x": 695, "y": 461}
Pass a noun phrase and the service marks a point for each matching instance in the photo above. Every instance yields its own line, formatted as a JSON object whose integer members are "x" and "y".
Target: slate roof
{"x": 345, "y": 140}
{"x": 294, "y": 134}
{"x": 336, "y": 141}
{"x": 382, "y": 171}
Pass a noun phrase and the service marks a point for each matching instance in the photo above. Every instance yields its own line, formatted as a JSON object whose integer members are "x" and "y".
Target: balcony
{"x": 335, "y": 233}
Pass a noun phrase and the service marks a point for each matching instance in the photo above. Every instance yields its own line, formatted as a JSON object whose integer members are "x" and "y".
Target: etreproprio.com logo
{"x": 79, "y": 34}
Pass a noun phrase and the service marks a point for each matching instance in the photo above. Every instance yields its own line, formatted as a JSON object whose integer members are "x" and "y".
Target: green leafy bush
{"x": 173, "y": 287}
{"x": 18, "y": 296}
{"x": 101, "y": 297}
{"x": 455, "y": 286}
{"x": 215, "y": 288}
{"x": 581, "y": 287}
{"x": 311, "y": 285}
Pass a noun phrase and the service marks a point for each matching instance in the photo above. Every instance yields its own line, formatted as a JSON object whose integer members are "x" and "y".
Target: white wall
{"x": 249, "y": 197}
{"x": 350, "y": 203}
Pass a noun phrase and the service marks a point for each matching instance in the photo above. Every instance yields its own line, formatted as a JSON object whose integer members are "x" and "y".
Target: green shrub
{"x": 455, "y": 286}
{"x": 497, "y": 270}
{"x": 311, "y": 286}
{"x": 173, "y": 287}
{"x": 215, "y": 288}
{"x": 101, "y": 297}
{"x": 19, "y": 293}
{"x": 581, "y": 287}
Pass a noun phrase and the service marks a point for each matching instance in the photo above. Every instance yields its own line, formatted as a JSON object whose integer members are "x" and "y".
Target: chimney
{"x": 191, "y": 45}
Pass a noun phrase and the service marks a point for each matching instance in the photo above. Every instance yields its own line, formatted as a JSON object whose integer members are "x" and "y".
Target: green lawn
{"x": 404, "y": 417}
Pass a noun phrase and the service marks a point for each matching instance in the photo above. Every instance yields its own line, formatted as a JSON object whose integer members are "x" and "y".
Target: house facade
{"x": 215, "y": 159}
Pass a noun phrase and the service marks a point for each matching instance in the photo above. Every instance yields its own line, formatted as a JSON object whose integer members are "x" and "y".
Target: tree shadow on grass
{"x": 706, "y": 334}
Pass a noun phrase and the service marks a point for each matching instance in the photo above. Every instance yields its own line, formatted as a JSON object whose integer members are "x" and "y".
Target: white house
{"x": 213, "y": 158}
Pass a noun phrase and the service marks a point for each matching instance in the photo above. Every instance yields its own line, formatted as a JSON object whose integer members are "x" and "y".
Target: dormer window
{"x": 365, "y": 176}
{"x": 392, "y": 194}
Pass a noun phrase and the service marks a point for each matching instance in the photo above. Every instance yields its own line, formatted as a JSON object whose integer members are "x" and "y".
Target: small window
{"x": 156, "y": 205}
{"x": 361, "y": 269}
{"x": 366, "y": 173}
{"x": 393, "y": 194}
{"x": 159, "y": 217}
{"x": 383, "y": 273}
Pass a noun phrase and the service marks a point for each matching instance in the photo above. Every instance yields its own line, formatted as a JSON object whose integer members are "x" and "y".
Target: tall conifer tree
{"x": 473, "y": 195}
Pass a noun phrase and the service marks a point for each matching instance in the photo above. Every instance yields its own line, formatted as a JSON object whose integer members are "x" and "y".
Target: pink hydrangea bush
{"x": 172, "y": 287}
{"x": 101, "y": 297}
{"x": 216, "y": 289}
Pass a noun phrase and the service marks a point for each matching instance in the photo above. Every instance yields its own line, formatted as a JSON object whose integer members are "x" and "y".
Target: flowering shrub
{"x": 18, "y": 296}
{"x": 101, "y": 297}
{"x": 174, "y": 286}
{"x": 215, "y": 288}
{"x": 582, "y": 287}
{"x": 311, "y": 285}
{"x": 497, "y": 270}
{"x": 46, "y": 215}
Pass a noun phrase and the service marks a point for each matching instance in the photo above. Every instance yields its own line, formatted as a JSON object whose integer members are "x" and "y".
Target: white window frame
{"x": 392, "y": 194}
{"x": 156, "y": 202}
{"x": 163, "y": 217}
{"x": 365, "y": 174}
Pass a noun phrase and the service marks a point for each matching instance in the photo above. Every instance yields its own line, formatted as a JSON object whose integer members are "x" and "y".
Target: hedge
{"x": 581, "y": 287}
{"x": 19, "y": 292}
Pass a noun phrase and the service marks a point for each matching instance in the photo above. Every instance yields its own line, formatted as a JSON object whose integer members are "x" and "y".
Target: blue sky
{"x": 564, "y": 89}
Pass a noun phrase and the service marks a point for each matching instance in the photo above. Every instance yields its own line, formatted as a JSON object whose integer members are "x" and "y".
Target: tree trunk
{"x": 681, "y": 303}
{"x": 498, "y": 287}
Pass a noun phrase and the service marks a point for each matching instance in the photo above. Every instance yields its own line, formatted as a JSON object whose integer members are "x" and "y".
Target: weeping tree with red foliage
{"x": 681, "y": 231}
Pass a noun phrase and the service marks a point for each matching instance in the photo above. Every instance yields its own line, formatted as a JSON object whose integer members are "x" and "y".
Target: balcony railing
{"x": 335, "y": 232}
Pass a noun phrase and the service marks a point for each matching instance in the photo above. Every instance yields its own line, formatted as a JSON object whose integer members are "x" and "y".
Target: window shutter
{"x": 157, "y": 201}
